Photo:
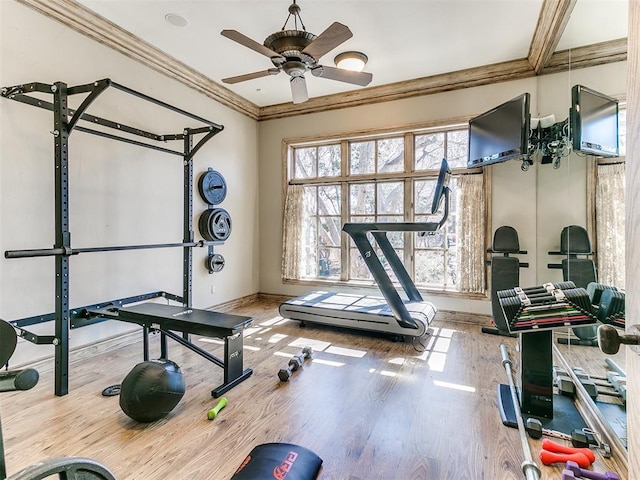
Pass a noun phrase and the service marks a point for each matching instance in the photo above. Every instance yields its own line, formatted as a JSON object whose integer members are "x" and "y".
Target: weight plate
{"x": 111, "y": 391}
{"x": 203, "y": 225}
{"x": 214, "y": 263}
{"x": 212, "y": 187}
{"x": 215, "y": 224}
{"x": 8, "y": 342}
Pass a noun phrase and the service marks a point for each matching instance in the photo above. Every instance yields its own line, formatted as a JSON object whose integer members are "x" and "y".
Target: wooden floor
{"x": 370, "y": 407}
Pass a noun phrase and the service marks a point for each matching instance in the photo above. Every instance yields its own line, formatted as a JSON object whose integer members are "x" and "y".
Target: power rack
{"x": 65, "y": 121}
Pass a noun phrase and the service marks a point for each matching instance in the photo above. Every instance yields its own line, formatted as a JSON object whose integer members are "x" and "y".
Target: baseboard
{"x": 272, "y": 297}
{"x": 236, "y": 303}
{"x": 463, "y": 317}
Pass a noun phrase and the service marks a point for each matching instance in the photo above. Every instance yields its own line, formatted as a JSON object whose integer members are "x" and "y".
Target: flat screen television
{"x": 500, "y": 134}
{"x": 594, "y": 122}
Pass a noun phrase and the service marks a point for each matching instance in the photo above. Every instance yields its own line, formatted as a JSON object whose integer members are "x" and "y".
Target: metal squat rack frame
{"x": 65, "y": 121}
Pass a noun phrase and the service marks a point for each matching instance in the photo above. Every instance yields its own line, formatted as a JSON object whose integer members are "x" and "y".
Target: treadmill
{"x": 404, "y": 312}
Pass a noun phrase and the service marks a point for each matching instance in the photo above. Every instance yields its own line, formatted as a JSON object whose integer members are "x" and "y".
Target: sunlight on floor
{"x": 454, "y": 386}
{"x": 276, "y": 337}
{"x": 437, "y": 361}
{"x": 398, "y": 361}
{"x": 251, "y": 330}
{"x": 347, "y": 352}
{"x": 384, "y": 373}
{"x": 438, "y": 344}
{"x": 330, "y": 363}
{"x": 271, "y": 322}
{"x": 317, "y": 345}
{"x": 280, "y": 353}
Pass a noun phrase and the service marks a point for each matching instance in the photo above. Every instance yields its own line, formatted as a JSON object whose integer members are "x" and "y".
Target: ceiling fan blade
{"x": 252, "y": 44}
{"x": 349, "y": 76}
{"x": 251, "y": 76}
{"x": 333, "y": 36}
{"x": 299, "y": 90}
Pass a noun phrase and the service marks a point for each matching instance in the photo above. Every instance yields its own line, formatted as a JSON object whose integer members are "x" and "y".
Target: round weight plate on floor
{"x": 212, "y": 187}
{"x": 111, "y": 391}
{"x": 214, "y": 263}
{"x": 215, "y": 224}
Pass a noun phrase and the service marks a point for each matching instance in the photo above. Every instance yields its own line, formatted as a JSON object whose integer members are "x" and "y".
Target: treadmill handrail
{"x": 357, "y": 227}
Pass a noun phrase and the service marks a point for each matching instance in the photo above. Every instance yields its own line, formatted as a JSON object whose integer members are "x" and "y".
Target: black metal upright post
{"x": 188, "y": 235}
{"x": 62, "y": 236}
{"x": 3, "y": 467}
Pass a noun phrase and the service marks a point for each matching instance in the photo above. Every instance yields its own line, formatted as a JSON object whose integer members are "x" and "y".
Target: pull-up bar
{"x": 20, "y": 93}
{"x": 51, "y": 252}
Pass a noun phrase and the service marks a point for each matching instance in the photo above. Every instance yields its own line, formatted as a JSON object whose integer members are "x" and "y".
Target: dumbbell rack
{"x": 537, "y": 398}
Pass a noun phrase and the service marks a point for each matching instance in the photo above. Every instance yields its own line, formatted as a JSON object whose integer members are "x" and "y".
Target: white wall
{"x": 119, "y": 194}
{"x": 537, "y": 203}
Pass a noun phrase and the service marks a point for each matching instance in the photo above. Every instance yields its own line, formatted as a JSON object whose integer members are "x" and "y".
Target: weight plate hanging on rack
{"x": 214, "y": 263}
{"x": 215, "y": 224}
{"x": 212, "y": 187}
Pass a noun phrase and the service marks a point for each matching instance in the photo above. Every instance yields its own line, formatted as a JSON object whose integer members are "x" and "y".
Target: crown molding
{"x": 553, "y": 18}
{"x": 88, "y": 23}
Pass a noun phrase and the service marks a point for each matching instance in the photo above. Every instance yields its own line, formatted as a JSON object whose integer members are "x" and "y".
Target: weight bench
{"x": 168, "y": 319}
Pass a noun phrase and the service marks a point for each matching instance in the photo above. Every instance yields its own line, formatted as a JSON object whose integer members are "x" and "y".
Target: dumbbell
{"x": 533, "y": 426}
{"x": 307, "y": 352}
{"x": 551, "y": 446}
{"x": 294, "y": 364}
{"x": 572, "y": 470}
{"x": 549, "y": 458}
{"x": 213, "y": 413}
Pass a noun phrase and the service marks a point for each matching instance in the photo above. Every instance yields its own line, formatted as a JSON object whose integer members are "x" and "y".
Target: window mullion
{"x": 345, "y": 256}
{"x": 409, "y": 147}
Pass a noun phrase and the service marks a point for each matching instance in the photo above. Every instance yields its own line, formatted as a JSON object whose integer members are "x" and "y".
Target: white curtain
{"x": 610, "y": 226}
{"x": 292, "y": 232}
{"x": 471, "y": 233}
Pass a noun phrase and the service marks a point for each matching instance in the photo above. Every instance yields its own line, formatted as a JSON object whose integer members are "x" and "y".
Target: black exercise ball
{"x": 151, "y": 390}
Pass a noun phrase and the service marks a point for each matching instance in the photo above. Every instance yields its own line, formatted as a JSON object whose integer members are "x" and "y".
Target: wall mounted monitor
{"x": 500, "y": 134}
{"x": 594, "y": 122}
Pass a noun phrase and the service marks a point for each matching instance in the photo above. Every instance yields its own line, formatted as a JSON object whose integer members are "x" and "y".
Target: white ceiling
{"x": 403, "y": 39}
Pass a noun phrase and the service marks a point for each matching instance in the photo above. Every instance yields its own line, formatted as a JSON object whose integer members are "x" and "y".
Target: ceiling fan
{"x": 297, "y": 51}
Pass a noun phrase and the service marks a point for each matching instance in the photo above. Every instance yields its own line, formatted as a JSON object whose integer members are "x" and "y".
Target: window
{"x": 606, "y": 194}
{"x": 388, "y": 179}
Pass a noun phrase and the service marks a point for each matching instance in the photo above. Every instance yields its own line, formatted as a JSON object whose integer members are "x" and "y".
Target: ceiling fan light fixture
{"x": 354, "y": 61}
